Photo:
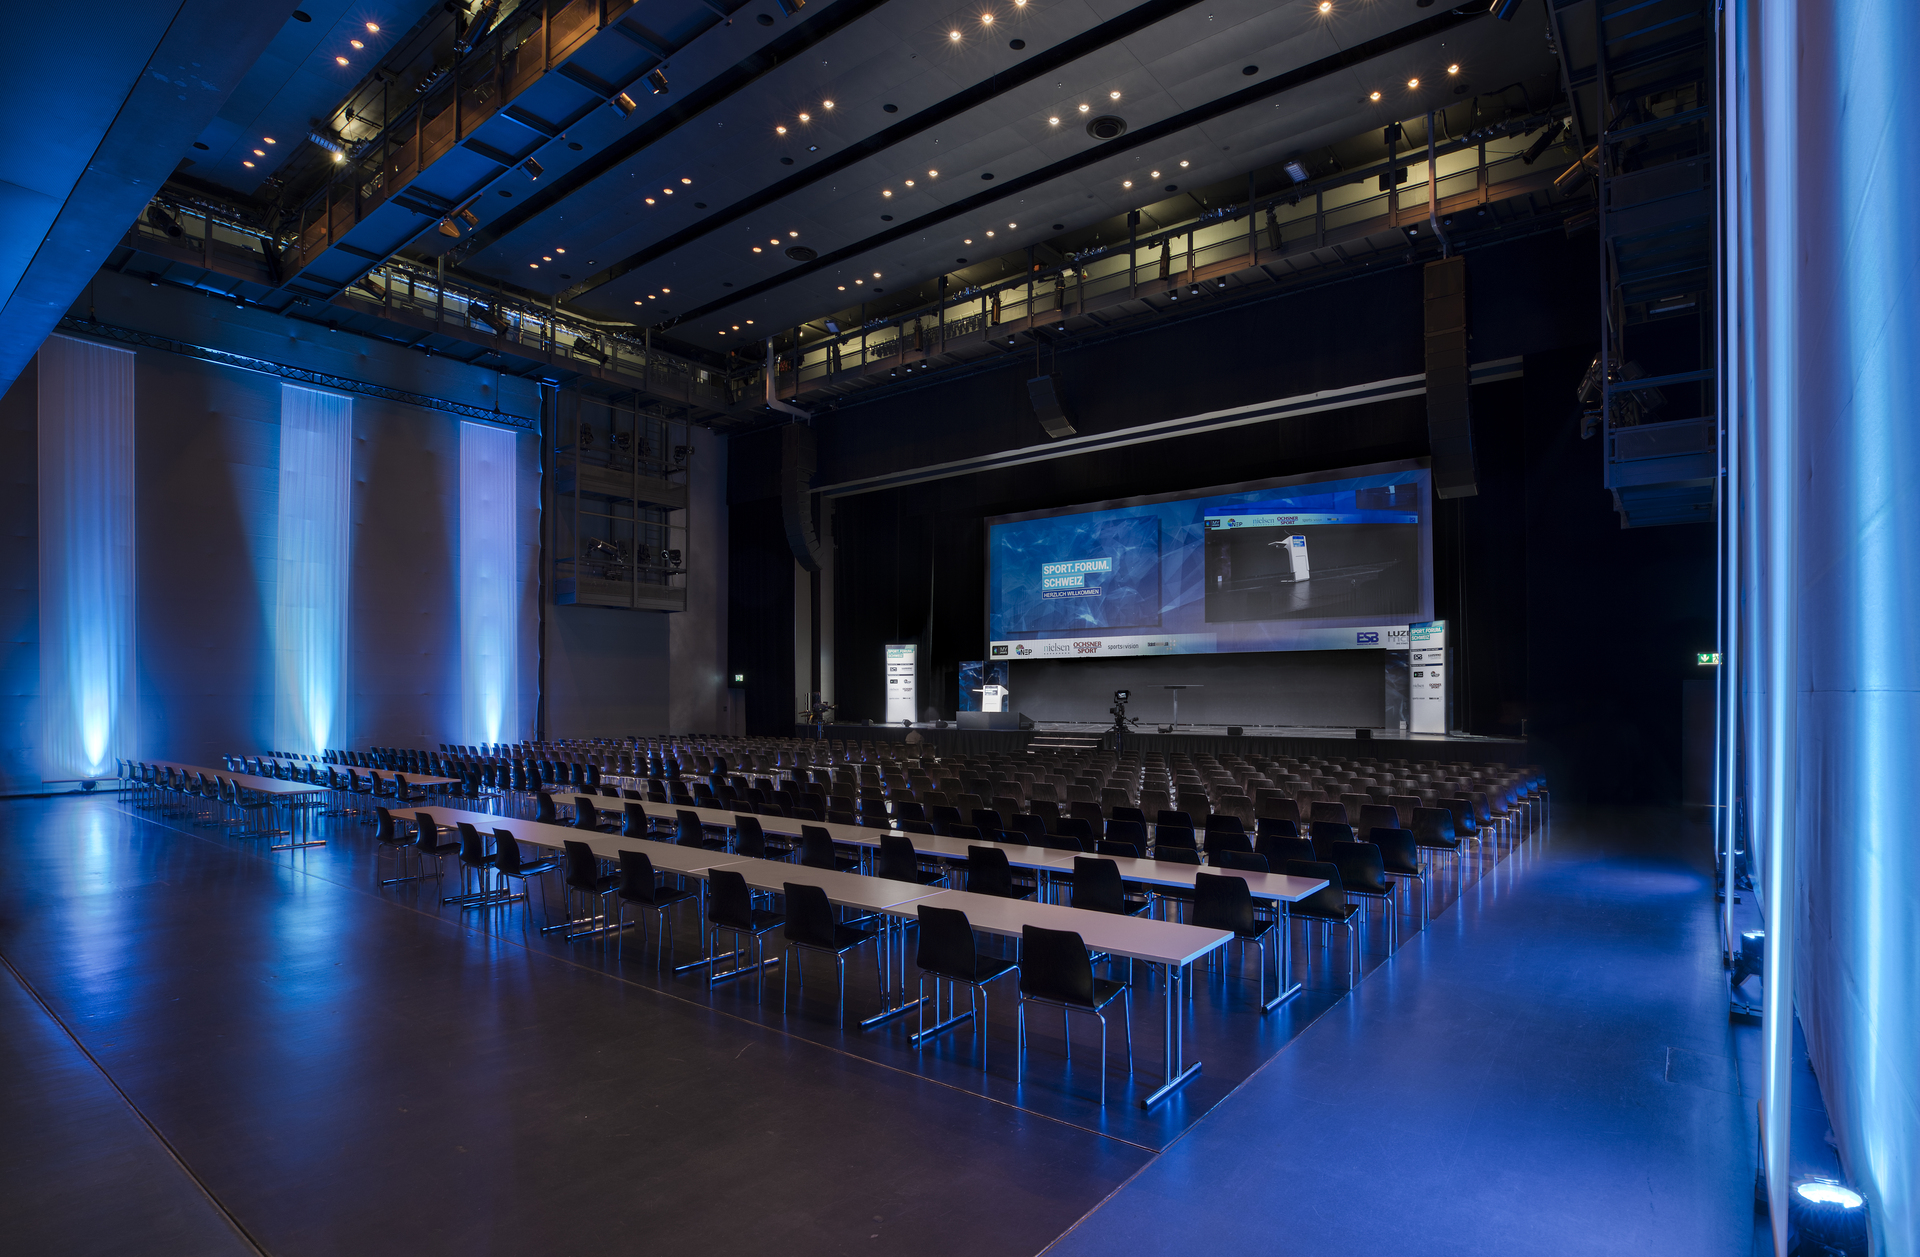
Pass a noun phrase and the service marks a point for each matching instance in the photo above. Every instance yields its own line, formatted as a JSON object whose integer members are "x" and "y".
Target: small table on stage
{"x": 1176, "y": 700}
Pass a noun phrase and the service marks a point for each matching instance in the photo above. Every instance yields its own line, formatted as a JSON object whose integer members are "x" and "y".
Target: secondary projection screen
{"x": 1336, "y": 560}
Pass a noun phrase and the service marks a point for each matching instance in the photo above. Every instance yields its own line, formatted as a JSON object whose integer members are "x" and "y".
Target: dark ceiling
{"x": 941, "y": 128}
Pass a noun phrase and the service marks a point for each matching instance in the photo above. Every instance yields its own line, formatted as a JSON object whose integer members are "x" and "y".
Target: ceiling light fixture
{"x": 248, "y": 164}
{"x": 650, "y": 201}
{"x": 909, "y": 183}
{"x": 534, "y": 265}
{"x": 933, "y": 174}
{"x": 341, "y": 60}
{"x": 373, "y": 27}
{"x": 1184, "y": 165}
{"x": 1326, "y": 6}
{"x": 793, "y": 235}
{"x": 968, "y": 241}
{"x": 559, "y": 250}
{"x": 779, "y": 130}
{"x": 1013, "y": 226}
{"x": 843, "y": 287}
{"x": 774, "y": 240}
{"x": 806, "y": 117}
{"x": 1453, "y": 69}
{"x": 1085, "y": 108}
{"x": 684, "y": 179}
{"x": 624, "y": 103}
{"x": 886, "y": 192}
{"x": 826, "y": 104}
{"x": 656, "y": 82}
{"x": 1412, "y": 83}
{"x": 666, "y": 290}
{"x": 1374, "y": 96}
{"x": 354, "y": 43}
{"x": 546, "y": 258}
{"x": 667, "y": 191}
{"x": 259, "y": 152}
{"x": 339, "y": 157}
{"x": 1126, "y": 183}
{"x": 749, "y": 322}
{"x": 986, "y": 19}
{"x": 953, "y": 36}
{"x": 756, "y": 248}
{"x": 533, "y": 168}
{"x": 1113, "y": 95}
{"x": 876, "y": 274}
{"x": 269, "y": 139}
{"x": 1154, "y": 175}
{"x": 1053, "y": 122}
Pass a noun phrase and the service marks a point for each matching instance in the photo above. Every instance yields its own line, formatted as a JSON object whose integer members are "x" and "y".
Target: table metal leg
{"x": 1286, "y": 963}
{"x": 297, "y": 837}
{"x": 1178, "y": 1073}
{"x": 889, "y": 1009}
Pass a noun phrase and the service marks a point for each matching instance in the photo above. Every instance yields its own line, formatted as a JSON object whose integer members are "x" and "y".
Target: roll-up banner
{"x": 1427, "y": 684}
{"x": 903, "y": 683}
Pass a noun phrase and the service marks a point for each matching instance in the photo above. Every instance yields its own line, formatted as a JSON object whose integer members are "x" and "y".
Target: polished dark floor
{"x": 1549, "y": 1069}
{"x": 268, "y": 1052}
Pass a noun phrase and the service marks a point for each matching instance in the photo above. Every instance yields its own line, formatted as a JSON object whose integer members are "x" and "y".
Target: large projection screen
{"x": 1339, "y": 560}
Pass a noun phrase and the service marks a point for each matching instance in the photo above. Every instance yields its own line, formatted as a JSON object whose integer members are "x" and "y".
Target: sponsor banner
{"x": 903, "y": 682}
{"x": 1427, "y": 696}
{"x": 1376, "y": 637}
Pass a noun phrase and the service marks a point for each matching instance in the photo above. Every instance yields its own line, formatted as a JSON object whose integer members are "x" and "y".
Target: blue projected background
{"x": 1290, "y": 565}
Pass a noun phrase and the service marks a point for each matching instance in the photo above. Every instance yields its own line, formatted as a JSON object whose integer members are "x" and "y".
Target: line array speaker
{"x": 1047, "y": 408}
{"x": 1449, "y": 423}
{"x": 798, "y": 463}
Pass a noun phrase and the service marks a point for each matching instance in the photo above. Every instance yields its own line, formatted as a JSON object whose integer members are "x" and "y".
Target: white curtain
{"x": 311, "y": 572}
{"x": 87, "y": 684}
{"x": 489, "y": 589}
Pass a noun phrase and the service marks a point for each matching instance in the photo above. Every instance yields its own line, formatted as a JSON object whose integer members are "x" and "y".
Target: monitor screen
{"x": 1336, "y": 560}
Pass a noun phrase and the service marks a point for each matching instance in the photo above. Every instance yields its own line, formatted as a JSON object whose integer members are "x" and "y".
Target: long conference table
{"x": 300, "y": 831}
{"x": 1172, "y": 945}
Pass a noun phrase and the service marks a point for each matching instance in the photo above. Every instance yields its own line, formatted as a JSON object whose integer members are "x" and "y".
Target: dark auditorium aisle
{"x": 1549, "y": 1069}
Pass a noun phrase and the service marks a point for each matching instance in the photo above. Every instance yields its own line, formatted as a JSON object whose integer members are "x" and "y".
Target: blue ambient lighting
{"x": 489, "y": 592}
{"x": 310, "y": 588}
{"x": 1823, "y": 1193}
{"x": 86, "y": 444}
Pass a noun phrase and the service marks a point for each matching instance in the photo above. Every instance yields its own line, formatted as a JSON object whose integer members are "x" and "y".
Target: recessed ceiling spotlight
{"x": 651, "y": 201}
{"x": 1019, "y": 4}
{"x": 259, "y": 152}
{"x": 1183, "y": 165}
{"x": 1126, "y": 183}
{"x": 685, "y": 180}
{"x": 1085, "y": 108}
{"x": 373, "y": 27}
{"x": 933, "y": 174}
{"x": 534, "y": 265}
{"x": 1113, "y": 95}
{"x": 559, "y": 250}
{"x": 1413, "y": 83}
{"x": 1326, "y": 6}
{"x": 736, "y": 327}
{"x": 909, "y": 183}
{"x": 636, "y": 303}
{"x": 749, "y": 322}
{"x": 666, "y": 290}
{"x": 779, "y": 130}
{"x": 1013, "y": 226}
{"x": 843, "y": 287}
{"x": 953, "y": 36}
{"x": 806, "y": 117}
{"x": 341, "y": 60}
{"x": 1155, "y": 175}
{"x": 793, "y": 235}
{"x": 756, "y": 248}
{"x": 774, "y": 240}
{"x": 989, "y": 233}
{"x": 546, "y": 259}
{"x": 886, "y": 192}
{"x": 667, "y": 191}
{"x": 876, "y": 274}
{"x": 826, "y": 104}
{"x": 247, "y": 164}
{"x": 1053, "y": 122}
{"x": 966, "y": 242}
{"x": 1453, "y": 69}
{"x": 723, "y": 332}
{"x": 269, "y": 139}
{"x": 354, "y": 43}
{"x": 650, "y": 297}
{"x": 859, "y": 281}
{"x": 1373, "y": 96}
{"x": 986, "y": 19}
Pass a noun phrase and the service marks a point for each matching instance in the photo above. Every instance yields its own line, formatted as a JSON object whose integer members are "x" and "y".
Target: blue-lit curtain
{"x": 1823, "y": 329}
{"x": 311, "y": 569}
{"x": 86, "y": 558}
{"x": 489, "y": 586}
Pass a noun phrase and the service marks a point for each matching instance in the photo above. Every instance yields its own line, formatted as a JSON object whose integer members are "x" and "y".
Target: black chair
{"x": 1132, "y": 833}
{"x": 1329, "y": 907}
{"x": 1224, "y": 903}
{"x": 1182, "y": 895}
{"x": 426, "y": 842}
{"x": 811, "y": 927}
{"x": 1400, "y": 856}
{"x": 1030, "y": 828}
{"x": 943, "y": 814}
{"x": 1077, "y": 828}
{"x": 1097, "y": 887}
{"x": 1056, "y": 968}
{"x": 987, "y": 818}
{"x": 1245, "y": 861}
{"x": 988, "y": 873}
{"x": 965, "y": 833}
{"x": 640, "y": 886}
{"x": 730, "y": 908}
{"x": 1121, "y": 850}
{"x": 586, "y": 815}
{"x": 1364, "y": 874}
{"x": 1324, "y": 834}
{"x": 543, "y": 809}
{"x": 1061, "y": 842}
{"x": 948, "y": 954}
{"x": 1178, "y": 820}
{"x": 1279, "y": 850}
{"x": 816, "y": 851}
{"x": 1275, "y": 827}
{"x": 1171, "y": 837}
{"x": 508, "y": 864}
{"x": 474, "y": 859}
{"x": 387, "y": 834}
{"x": 915, "y": 827}
{"x": 1221, "y": 841}
{"x": 1131, "y": 814}
{"x": 634, "y": 822}
{"x": 690, "y": 831}
{"x": 897, "y": 862}
{"x": 584, "y": 878}
{"x": 1433, "y": 831}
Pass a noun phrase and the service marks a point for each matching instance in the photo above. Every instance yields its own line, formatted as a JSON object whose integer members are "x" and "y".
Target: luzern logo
{"x": 1367, "y": 639}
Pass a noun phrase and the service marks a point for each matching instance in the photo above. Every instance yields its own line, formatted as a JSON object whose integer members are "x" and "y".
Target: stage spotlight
{"x": 1828, "y": 1218}
{"x": 533, "y": 168}
{"x": 657, "y": 82}
{"x": 1539, "y": 146}
{"x": 164, "y": 221}
{"x": 468, "y": 217}
{"x": 446, "y": 228}
{"x": 624, "y": 103}
{"x": 1296, "y": 169}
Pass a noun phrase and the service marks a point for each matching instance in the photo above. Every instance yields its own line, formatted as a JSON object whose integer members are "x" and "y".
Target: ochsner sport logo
{"x": 1086, "y": 648}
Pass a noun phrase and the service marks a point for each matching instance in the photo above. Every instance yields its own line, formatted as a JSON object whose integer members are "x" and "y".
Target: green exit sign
{"x": 1708, "y": 659}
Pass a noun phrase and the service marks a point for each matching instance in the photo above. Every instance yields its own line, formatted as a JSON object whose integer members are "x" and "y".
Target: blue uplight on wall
{"x": 489, "y": 589}
{"x": 312, "y": 551}
{"x": 86, "y": 557}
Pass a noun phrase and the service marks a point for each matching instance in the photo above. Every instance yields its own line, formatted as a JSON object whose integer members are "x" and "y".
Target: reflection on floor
{"x": 335, "y": 1062}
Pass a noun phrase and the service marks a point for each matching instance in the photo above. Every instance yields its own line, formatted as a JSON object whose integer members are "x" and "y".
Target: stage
{"x": 1292, "y": 740}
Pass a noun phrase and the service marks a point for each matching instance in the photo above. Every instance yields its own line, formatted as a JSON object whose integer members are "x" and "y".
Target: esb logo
{"x": 1087, "y": 648}
{"x": 1367, "y": 639}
